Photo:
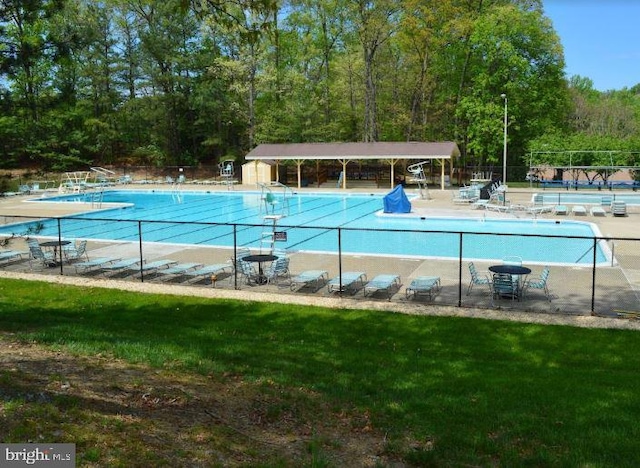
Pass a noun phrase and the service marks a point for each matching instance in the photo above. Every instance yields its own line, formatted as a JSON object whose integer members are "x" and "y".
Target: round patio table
{"x": 510, "y": 269}
{"x": 260, "y": 259}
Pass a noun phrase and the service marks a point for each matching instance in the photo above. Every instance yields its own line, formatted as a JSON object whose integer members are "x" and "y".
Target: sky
{"x": 601, "y": 40}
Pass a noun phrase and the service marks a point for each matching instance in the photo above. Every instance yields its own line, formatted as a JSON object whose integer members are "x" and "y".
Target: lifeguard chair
{"x": 227, "y": 173}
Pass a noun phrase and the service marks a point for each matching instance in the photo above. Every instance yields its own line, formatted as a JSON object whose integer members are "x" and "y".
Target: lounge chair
{"x": 560, "y": 209}
{"x": 540, "y": 209}
{"x": 423, "y": 286}
{"x": 538, "y": 283}
{"x": 578, "y": 210}
{"x": 597, "y": 211}
{"x": 497, "y": 207}
{"x": 480, "y": 204}
{"x": 618, "y": 208}
{"x": 314, "y": 278}
{"x": 119, "y": 266}
{"x": 476, "y": 279}
{"x": 8, "y": 255}
{"x": 350, "y": 281}
{"x": 95, "y": 264}
{"x": 210, "y": 272}
{"x": 153, "y": 267}
{"x": 389, "y": 284}
{"x": 178, "y": 270}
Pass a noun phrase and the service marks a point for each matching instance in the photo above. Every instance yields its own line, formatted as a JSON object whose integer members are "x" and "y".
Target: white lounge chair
{"x": 310, "y": 278}
{"x": 389, "y": 284}
{"x": 578, "y": 210}
{"x": 618, "y": 208}
{"x": 597, "y": 211}
{"x": 539, "y": 209}
{"x": 423, "y": 286}
{"x": 560, "y": 209}
{"x": 350, "y": 281}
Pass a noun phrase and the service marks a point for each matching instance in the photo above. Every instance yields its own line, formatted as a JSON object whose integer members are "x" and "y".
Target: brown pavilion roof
{"x": 377, "y": 150}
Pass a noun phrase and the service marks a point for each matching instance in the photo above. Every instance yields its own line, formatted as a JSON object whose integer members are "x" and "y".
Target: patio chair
{"x": 505, "y": 285}
{"x": 350, "y": 281}
{"x": 314, "y": 278}
{"x": 278, "y": 269}
{"x": 248, "y": 271}
{"x": 75, "y": 251}
{"x": 36, "y": 254}
{"x": 476, "y": 279}
{"x": 597, "y": 211}
{"x": 389, "y": 284}
{"x": 538, "y": 283}
{"x": 423, "y": 286}
{"x": 512, "y": 260}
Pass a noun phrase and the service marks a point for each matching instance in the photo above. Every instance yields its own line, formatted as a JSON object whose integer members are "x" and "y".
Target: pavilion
{"x": 391, "y": 152}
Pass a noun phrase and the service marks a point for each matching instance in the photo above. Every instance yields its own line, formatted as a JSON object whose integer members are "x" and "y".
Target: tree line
{"x": 189, "y": 82}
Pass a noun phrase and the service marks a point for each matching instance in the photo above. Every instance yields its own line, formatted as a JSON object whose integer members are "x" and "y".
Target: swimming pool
{"x": 585, "y": 198}
{"x": 310, "y": 225}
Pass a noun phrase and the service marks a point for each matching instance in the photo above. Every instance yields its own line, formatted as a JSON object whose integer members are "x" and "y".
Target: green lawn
{"x": 481, "y": 392}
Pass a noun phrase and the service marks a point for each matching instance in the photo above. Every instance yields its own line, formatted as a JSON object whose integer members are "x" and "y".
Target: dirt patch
{"x": 116, "y": 412}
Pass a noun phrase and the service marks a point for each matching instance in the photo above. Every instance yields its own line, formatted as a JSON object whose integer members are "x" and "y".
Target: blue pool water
{"x": 165, "y": 216}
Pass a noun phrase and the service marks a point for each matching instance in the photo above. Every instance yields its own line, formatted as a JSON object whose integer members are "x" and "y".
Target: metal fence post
{"x": 60, "y": 245}
{"x": 460, "y": 270}
{"x": 593, "y": 276}
{"x": 141, "y": 253}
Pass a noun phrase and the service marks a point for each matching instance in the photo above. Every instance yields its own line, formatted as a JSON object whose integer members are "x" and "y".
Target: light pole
{"x": 504, "y": 150}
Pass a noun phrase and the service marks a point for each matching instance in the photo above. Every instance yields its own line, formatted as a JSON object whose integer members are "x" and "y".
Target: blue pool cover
{"x": 396, "y": 201}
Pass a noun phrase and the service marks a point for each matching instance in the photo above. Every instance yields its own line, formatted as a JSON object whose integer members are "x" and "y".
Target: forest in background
{"x": 190, "y": 82}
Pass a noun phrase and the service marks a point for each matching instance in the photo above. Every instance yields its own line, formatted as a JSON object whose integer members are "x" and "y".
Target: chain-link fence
{"x": 586, "y": 275}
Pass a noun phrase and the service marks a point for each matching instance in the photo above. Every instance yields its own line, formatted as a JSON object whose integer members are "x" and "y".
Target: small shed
{"x": 263, "y": 171}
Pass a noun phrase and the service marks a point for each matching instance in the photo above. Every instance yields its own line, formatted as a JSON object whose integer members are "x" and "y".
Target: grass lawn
{"x": 431, "y": 391}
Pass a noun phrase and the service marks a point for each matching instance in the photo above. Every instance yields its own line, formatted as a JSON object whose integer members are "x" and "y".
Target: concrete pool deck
{"x": 625, "y": 278}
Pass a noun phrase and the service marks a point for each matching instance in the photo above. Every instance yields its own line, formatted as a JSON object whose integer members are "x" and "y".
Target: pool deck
{"x": 440, "y": 203}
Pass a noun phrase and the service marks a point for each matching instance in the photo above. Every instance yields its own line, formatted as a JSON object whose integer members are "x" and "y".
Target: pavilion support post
{"x": 392, "y": 165}
{"x": 318, "y": 173}
{"x": 277, "y": 171}
{"x": 442, "y": 164}
{"x": 344, "y": 172}
{"x": 299, "y": 164}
